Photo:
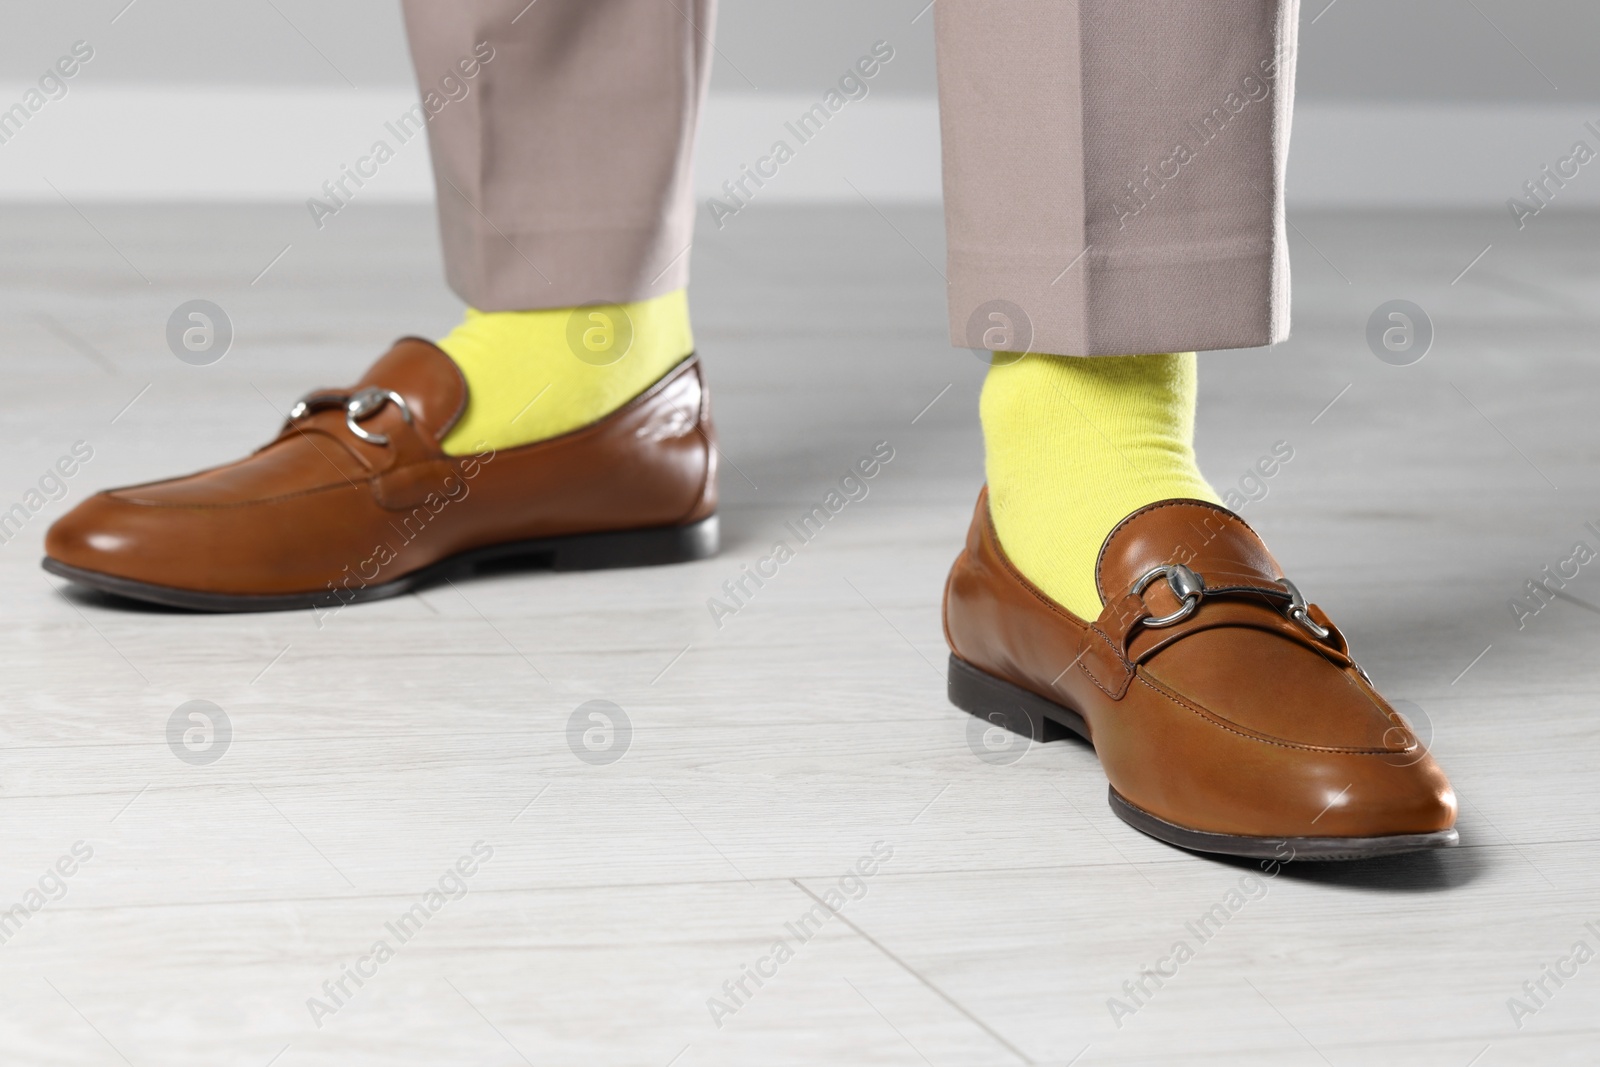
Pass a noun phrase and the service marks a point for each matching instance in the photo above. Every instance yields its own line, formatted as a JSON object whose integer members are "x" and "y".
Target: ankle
{"x": 533, "y": 375}
{"x": 1074, "y": 445}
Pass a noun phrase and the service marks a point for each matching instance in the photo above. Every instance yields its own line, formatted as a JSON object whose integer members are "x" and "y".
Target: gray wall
{"x": 1434, "y": 50}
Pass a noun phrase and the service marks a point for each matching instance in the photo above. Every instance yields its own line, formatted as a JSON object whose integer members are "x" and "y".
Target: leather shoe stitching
{"x": 1083, "y": 664}
{"x": 239, "y": 503}
{"x": 1112, "y": 536}
{"x": 1208, "y": 717}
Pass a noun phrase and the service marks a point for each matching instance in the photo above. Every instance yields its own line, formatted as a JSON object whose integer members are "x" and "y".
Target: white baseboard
{"x": 227, "y": 144}
{"x": 1429, "y": 154}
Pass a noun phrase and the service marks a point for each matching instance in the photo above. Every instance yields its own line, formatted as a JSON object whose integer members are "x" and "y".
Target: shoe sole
{"x": 578, "y": 552}
{"x": 1016, "y": 709}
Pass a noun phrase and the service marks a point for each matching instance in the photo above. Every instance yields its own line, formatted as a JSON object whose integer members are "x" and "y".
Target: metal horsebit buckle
{"x": 359, "y": 405}
{"x": 1190, "y": 588}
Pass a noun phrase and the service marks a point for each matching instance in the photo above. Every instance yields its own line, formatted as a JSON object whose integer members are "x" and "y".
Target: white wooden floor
{"x": 767, "y": 758}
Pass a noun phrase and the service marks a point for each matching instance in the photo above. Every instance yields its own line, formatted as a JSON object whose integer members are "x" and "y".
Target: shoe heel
{"x": 994, "y": 700}
{"x": 637, "y": 548}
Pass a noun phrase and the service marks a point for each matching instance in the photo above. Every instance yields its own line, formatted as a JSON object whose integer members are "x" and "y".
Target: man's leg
{"x": 1150, "y": 139}
{"x": 563, "y": 418}
{"x": 563, "y": 180}
{"x": 1114, "y": 185}
{"x": 1113, "y": 181}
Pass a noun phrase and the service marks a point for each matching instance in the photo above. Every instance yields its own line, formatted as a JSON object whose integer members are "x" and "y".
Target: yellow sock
{"x": 533, "y": 375}
{"x": 1073, "y": 446}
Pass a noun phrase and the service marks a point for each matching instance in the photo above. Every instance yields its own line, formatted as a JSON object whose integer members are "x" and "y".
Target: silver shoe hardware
{"x": 1189, "y": 588}
{"x": 360, "y": 405}
{"x": 368, "y": 402}
{"x": 1298, "y": 612}
{"x": 1185, "y": 584}
{"x": 315, "y": 402}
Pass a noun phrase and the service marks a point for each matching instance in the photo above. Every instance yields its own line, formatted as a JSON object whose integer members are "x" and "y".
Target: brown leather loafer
{"x": 355, "y": 501}
{"x": 1227, "y": 712}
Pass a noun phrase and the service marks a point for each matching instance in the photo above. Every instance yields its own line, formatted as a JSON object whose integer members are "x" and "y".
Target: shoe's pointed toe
{"x": 108, "y": 535}
{"x": 1413, "y": 799}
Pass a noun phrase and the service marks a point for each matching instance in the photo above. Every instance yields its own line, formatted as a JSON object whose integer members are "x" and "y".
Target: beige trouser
{"x": 1113, "y": 169}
